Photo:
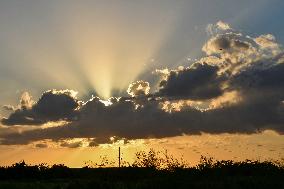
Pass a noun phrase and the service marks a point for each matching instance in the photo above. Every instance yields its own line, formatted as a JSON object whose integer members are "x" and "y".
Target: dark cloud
{"x": 52, "y": 106}
{"x": 200, "y": 81}
{"x": 93, "y": 143}
{"x": 255, "y": 71}
{"x": 71, "y": 144}
{"x": 124, "y": 120}
{"x": 270, "y": 80}
{"x": 22, "y": 117}
{"x": 41, "y": 145}
{"x": 263, "y": 94}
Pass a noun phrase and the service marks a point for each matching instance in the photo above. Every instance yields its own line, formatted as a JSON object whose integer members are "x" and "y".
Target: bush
{"x": 158, "y": 160}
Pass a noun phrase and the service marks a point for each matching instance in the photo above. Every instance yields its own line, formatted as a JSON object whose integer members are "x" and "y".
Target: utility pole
{"x": 118, "y": 156}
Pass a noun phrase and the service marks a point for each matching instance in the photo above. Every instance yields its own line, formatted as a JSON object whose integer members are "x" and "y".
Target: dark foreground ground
{"x": 224, "y": 174}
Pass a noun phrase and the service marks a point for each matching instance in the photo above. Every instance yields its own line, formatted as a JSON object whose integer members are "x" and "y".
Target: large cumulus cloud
{"x": 238, "y": 86}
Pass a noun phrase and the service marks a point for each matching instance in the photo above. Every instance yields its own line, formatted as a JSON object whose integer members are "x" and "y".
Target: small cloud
{"x": 9, "y": 108}
{"x": 41, "y": 145}
{"x": 219, "y": 27}
{"x": 268, "y": 43}
{"x": 72, "y": 144}
{"x": 26, "y": 101}
{"x": 223, "y": 25}
{"x": 93, "y": 144}
{"x": 138, "y": 88}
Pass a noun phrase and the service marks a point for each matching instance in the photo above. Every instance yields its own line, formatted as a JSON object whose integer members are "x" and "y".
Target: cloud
{"x": 9, "y": 108}
{"x": 225, "y": 43}
{"x": 227, "y": 99}
{"x": 93, "y": 143}
{"x": 268, "y": 41}
{"x": 199, "y": 81}
{"x": 71, "y": 144}
{"x": 26, "y": 101}
{"x": 237, "y": 87}
{"x": 53, "y": 105}
{"x": 138, "y": 88}
{"x": 41, "y": 145}
{"x": 220, "y": 26}
{"x": 231, "y": 52}
{"x": 269, "y": 80}
{"x": 223, "y": 25}
{"x": 124, "y": 120}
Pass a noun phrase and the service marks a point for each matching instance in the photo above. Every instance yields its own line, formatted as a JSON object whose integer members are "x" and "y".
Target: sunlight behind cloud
{"x": 91, "y": 49}
{"x": 106, "y": 49}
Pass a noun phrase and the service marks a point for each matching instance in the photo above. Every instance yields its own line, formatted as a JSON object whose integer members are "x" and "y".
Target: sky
{"x": 195, "y": 77}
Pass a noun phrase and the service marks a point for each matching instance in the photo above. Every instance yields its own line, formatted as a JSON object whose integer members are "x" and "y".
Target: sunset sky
{"x": 78, "y": 79}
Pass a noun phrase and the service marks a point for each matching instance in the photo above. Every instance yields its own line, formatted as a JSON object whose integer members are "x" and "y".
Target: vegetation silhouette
{"x": 152, "y": 169}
